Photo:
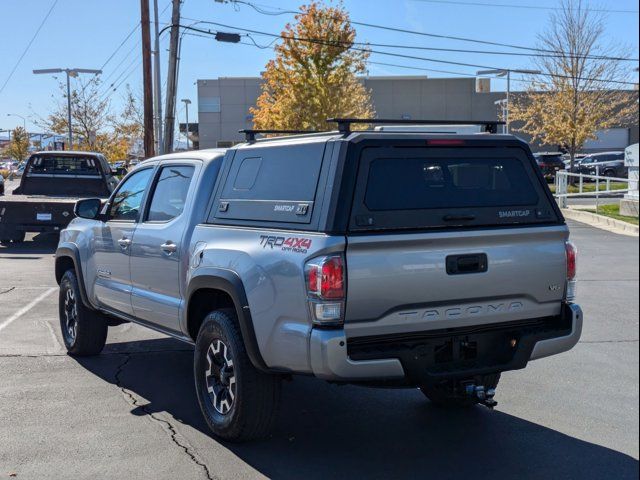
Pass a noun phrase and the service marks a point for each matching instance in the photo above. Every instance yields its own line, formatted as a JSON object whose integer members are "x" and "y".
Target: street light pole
{"x": 69, "y": 112}
{"x": 24, "y": 121}
{"x": 187, "y": 102}
{"x": 70, "y": 72}
{"x": 506, "y": 72}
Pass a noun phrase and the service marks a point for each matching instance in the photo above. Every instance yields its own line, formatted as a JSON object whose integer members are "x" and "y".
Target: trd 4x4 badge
{"x": 286, "y": 244}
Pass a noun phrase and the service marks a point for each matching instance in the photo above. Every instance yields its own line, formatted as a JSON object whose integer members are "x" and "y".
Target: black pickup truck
{"x": 49, "y": 188}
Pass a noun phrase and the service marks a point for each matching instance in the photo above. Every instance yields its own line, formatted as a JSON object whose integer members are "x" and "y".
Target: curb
{"x": 602, "y": 222}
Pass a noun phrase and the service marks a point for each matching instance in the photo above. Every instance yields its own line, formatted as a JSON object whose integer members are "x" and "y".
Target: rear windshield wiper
{"x": 453, "y": 218}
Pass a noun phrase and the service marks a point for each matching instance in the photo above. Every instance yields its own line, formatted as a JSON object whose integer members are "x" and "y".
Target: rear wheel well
{"x": 201, "y": 303}
{"x": 62, "y": 265}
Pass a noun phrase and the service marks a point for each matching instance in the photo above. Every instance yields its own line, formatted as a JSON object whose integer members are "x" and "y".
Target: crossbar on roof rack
{"x": 250, "y": 134}
{"x": 344, "y": 124}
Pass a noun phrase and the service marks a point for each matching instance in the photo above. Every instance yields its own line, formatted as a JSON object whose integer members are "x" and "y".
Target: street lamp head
{"x": 87, "y": 70}
{"x": 530, "y": 72}
{"x": 186, "y": 100}
{"x": 48, "y": 70}
{"x": 500, "y": 72}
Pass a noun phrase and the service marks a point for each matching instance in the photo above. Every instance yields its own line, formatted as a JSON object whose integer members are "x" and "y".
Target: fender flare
{"x": 229, "y": 282}
{"x": 71, "y": 251}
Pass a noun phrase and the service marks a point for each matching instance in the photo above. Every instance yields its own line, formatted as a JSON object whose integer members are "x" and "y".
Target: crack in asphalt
{"x": 172, "y": 431}
{"x": 8, "y": 290}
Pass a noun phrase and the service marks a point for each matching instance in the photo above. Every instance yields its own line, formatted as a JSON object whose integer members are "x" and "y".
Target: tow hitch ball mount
{"x": 484, "y": 395}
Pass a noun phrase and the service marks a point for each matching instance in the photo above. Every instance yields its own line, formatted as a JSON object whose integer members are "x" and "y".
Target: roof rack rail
{"x": 250, "y": 134}
{"x": 344, "y": 124}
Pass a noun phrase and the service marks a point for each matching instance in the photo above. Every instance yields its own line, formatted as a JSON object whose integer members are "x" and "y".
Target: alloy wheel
{"x": 70, "y": 315}
{"x": 220, "y": 377}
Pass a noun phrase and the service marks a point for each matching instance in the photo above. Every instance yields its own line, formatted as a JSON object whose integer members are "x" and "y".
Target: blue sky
{"x": 84, "y": 33}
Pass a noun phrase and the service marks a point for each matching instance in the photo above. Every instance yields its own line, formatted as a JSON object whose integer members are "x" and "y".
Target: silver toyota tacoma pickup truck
{"x": 430, "y": 261}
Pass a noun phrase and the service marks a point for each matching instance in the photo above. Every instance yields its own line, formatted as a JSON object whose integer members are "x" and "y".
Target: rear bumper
{"x": 553, "y": 346}
{"x": 34, "y": 216}
{"x": 432, "y": 356}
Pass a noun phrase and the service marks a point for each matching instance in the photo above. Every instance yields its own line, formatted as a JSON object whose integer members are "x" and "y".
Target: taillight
{"x": 572, "y": 254}
{"x": 325, "y": 279}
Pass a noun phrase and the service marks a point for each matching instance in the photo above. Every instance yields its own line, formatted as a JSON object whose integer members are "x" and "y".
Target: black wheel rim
{"x": 70, "y": 315}
{"x": 220, "y": 378}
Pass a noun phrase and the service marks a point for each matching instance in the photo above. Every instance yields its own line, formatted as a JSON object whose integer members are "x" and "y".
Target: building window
{"x": 209, "y": 104}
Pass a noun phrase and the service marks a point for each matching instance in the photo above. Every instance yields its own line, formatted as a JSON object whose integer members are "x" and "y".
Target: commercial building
{"x": 224, "y": 104}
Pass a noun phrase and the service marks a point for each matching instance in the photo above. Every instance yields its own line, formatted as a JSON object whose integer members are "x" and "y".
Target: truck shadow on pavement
{"x": 328, "y": 431}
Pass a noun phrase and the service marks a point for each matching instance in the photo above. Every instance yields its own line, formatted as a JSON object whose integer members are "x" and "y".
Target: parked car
{"x": 549, "y": 164}
{"x": 609, "y": 164}
{"x": 375, "y": 258}
{"x": 49, "y": 188}
{"x": 1, "y": 185}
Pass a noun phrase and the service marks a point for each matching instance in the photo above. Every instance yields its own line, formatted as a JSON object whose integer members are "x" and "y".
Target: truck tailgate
{"x": 409, "y": 282}
{"x": 24, "y": 211}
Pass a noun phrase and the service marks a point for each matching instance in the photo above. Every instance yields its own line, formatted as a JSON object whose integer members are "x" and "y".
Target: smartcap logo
{"x": 514, "y": 213}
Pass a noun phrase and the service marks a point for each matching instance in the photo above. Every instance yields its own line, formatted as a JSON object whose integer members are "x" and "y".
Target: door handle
{"x": 461, "y": 264}
{"x": 124, "y": 242}
{"x": 169, "y": 247}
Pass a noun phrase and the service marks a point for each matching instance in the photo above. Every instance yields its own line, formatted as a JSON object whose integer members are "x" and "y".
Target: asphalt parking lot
{"x": 132, "y": 411}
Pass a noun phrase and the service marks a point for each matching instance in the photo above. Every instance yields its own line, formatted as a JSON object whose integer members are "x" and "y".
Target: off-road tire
{"x": 443, "y": 396}
{"x": 89, "y": 334}
{"x": 256, "y": 395}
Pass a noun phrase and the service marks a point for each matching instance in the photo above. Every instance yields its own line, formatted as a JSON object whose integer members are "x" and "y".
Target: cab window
{"x": 125, "y": 205}
{"x": 170, "y": 193}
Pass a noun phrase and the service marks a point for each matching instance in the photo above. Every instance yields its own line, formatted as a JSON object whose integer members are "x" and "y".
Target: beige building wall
{"x": 224, "y": 103}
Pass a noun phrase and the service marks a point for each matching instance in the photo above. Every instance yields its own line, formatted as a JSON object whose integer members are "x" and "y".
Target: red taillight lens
{"x": 572, "y": 254}
{"x": 325, "y": 277}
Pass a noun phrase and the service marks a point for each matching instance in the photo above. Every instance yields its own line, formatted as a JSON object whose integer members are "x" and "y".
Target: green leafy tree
{"x": 309, "y": 81}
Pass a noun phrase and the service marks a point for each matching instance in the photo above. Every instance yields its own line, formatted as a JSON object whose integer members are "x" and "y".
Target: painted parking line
{"x": 26, "y": 308}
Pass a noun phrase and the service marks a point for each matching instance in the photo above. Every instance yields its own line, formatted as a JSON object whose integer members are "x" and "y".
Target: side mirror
{"x": 88, "y": 208}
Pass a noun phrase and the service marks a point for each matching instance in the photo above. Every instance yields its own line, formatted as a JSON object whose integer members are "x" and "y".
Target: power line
{"x": 385, "y": 64}
{"x": 127, "y": 55}
{"x": 120, "y": 46}
{"x": 349, "y": 45}
{"x": 527, "y": 7}
{"x": 413, "y": 32}
{"x": 110, "y": 90}
{"x": 28, "y": 45}
{"x": 486, "y": 52}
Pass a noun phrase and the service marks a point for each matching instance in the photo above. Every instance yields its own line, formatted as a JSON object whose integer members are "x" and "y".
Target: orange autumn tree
{"x": 314, "y": 74}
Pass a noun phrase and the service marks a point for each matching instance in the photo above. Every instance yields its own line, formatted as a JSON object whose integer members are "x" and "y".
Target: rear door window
{"x": 170, "y": 193}
{"x": 444, "y": 187}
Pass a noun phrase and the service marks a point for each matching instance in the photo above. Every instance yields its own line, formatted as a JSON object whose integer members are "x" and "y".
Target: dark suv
{"x": 549, "y": 163}
{"x": 608, "y": 164}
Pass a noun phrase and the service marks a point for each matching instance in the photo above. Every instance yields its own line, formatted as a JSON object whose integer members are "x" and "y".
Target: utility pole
{"x": 171, "y": 78}
{"x": 187, "y": 102}
{"x": 70, "y": 72}
{"x": 157, "y": 86}
{"x": 146, "y": 79}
